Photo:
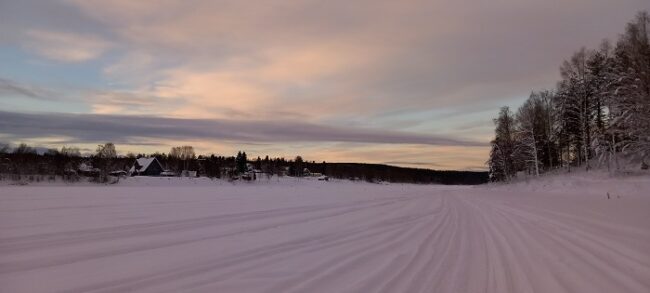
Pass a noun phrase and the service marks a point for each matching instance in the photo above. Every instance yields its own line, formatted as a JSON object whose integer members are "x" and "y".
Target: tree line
{"x": 598, "y": 112}
{"x": 105, "y": 165}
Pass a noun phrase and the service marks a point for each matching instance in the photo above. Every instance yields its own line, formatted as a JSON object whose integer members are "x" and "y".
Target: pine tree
{"x": 240, "y": 162}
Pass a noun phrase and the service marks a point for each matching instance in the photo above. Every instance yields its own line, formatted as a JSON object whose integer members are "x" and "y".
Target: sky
{"x": 408, "y": 83}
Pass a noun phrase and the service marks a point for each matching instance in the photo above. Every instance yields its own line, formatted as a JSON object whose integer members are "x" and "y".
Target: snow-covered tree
{"x": 632, "y": 89}
{"x": 531, "y": 132}
{"x": 600, "y": 108}
{"x": 577, "y": 88}
{"x": 4, "y": 148}
{"x": 502, "y": 161}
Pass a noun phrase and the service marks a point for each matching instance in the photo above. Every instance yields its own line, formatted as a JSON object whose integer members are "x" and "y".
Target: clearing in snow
{"x": 182, "y": 235}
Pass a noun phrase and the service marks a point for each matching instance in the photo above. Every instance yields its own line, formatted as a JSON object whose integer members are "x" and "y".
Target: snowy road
{"x": 322, "y": 237}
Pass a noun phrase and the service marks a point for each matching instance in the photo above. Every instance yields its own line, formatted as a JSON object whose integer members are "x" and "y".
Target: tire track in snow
{"x": 415, "y": 240}
{"x": 35, "y": 242}
{"x": 22, "y": 265}
{"x": 582, "y": 254}
{"x": 253, "y": 256}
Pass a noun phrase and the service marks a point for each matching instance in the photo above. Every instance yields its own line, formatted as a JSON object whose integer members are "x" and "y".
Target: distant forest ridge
{"x": 25, "y": 163}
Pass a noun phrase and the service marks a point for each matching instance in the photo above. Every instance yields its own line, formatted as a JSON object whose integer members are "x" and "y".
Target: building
{"x": 146, "y": 167}
{"x": 87, "y": 169}
{"x": 188, "y": 173}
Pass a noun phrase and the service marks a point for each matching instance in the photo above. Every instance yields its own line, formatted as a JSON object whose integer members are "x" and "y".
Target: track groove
{"x": 307, "y": 238}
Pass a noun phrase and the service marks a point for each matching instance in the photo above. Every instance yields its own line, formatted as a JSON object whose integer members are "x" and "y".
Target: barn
{"x": 146, "y": 167}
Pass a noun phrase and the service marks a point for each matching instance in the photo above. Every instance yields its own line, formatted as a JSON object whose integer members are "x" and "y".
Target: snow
{"x": 555, "y": 234}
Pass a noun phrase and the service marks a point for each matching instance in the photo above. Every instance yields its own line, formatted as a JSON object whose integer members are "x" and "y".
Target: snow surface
{"x": 198, "y": 235}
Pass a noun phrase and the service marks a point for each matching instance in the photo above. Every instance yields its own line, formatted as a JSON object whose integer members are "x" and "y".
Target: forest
{"x": 25, "y": 163}
{"x": 598, "y": 113}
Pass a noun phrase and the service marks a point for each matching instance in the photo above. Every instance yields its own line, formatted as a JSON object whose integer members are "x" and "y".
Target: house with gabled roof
{"x": 146, "y": 167}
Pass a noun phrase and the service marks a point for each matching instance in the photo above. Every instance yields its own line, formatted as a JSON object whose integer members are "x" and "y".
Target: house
{"x": 248, "y": 176}
{"x": 188, "y": 173}
{"x": 146, "y": 167}
{"x": 86, "y": 169}
{"x": 168, "y": 173}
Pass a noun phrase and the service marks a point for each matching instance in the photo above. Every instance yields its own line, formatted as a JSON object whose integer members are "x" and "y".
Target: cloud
{"x": 413, "y": 66}
{"x": 92, "y": 128}
{"x": 13, "y": 88}
{"x": 131, "y": 102}
{"x": 101, "y": 101}
{"x": 347, "y": 60}
{"x": 64, "y": 46}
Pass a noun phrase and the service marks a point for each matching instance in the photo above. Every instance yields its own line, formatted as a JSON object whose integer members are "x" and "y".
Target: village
{"x": 24, "y": 164}
{"x": 150, "y": 166}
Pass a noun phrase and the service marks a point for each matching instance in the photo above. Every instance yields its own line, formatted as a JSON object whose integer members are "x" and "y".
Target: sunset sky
{"x": 410, "y": 83}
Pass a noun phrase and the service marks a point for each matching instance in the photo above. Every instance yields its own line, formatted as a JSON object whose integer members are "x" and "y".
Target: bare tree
{"x": 183, "y": 153}
{"x": 71, "y": 151}
{"x": 526, "y": 146}
{"x": 576, "y": 87}
{"x": 105, "y": 154}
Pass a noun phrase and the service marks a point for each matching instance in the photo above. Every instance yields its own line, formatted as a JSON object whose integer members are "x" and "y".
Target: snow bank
{"x": 595, "y": 183}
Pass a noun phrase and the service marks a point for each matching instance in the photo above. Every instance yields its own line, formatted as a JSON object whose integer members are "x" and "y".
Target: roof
{"x": 85, "y": 167}
{"x": 143, "y": 164}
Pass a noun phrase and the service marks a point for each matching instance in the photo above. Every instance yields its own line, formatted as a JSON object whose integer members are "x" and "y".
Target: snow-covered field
{"x": 170, "y": 235}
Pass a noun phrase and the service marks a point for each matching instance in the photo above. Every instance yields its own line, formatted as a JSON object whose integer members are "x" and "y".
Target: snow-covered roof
{"x": 85, "y": 167}
{"x": 142, "y": 163}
